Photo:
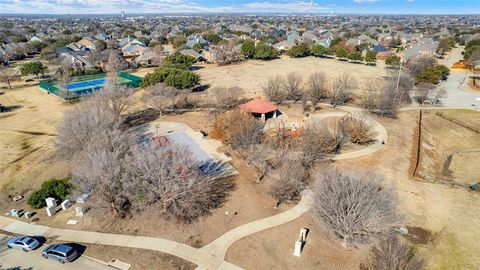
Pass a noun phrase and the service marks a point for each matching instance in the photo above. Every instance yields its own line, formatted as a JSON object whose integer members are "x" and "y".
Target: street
{"x": 17, "y": 259}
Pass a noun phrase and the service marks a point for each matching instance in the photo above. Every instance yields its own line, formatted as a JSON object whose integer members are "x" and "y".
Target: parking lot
{"x": 14, "y": 258}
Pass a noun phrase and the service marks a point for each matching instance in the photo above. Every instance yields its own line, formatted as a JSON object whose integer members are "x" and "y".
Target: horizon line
{"x": 237, "y": 12}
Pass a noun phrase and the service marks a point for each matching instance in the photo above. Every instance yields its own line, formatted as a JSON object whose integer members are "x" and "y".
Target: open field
{"x": 252, "y": 75}
{"x": 27, "y": 137}
{"x": 450, "y": 151}
{"x": 441, "y": 219}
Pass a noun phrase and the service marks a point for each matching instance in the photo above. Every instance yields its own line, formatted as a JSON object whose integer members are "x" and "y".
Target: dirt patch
{"x": 418, "y": 236}
{"x": 445, "y": 142}
{"x": 138, "y": 258}
{"x": 273, "y": 249}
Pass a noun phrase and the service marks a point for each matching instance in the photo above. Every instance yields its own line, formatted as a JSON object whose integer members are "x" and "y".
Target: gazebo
{"x": 260, "y": 108}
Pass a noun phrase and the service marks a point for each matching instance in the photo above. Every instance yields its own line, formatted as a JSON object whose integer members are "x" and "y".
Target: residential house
{"x": 77, "y": 62}
{"x": 425, "y": 47}
{"x": 88, "y": 42}
{"x": 210, "y": 55}
{"x": 134, "y": 49}
{"x": 102, "y": 36}
{"x": 283, "y": 45}
{"x": 35, "y": 39}
{"x": 294, "y": 37}
{"x": 192, "y": 40}
{"x": 380, "y": 48}
{"x": 325, "y": 42}
{"x": 193, "y": 53}
{"x": 128, "y": 40}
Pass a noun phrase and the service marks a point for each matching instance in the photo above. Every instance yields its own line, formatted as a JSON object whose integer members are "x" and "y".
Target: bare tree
{"x": 317, "y": 87}
{"x": 354, "y": 205}
{"x": 316, "y": 142}
{"x": 8, "y": 75}
{"x": 439, "y": 93}
{"x": 293, "y": 86}
{"x": 274, "y": 90}
{"x": 342, "y": 89}
{"x": 168, "y": 178}
{"x": 100, "y": 172}
{"x": 419, "y": 64}
{"x": 389, "y": 253}
{"x": 263, "y": 158}
{"x": 226, "y": 52}
{"x": 115, "y": 97}
{"x": 288, "y": 182}
{"x": 243, "y": 130}
{"x": 358, "y": 127}
{"x": 98, "y": 118}
{"x": 370, "y": 94}
{"x": 158, "y": 54}
{"x": 424, "y": 92}
{"x": 226, "y": 98}
{"x": 62, "y": 72}
{"x": 161, "y": 97}
{"x": 387, "y": 103}
{"x": 116, "y": 61}
{"x": 405, "y": 85}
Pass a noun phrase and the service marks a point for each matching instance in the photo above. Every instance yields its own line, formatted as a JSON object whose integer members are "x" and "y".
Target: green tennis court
{"x": 82, "y": 85}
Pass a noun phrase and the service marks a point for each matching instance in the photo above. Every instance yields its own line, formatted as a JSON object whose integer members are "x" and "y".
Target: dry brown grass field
{"x": 448, "y": 216}
{"x": 253, "y": 75}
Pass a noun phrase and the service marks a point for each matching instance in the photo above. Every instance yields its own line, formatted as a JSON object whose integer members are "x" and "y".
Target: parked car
{"x": 60, "y": 252}
{"x": 24, "y": 243}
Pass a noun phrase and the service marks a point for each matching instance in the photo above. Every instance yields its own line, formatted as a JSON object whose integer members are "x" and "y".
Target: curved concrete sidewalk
{"x": 199, "y": 257}
{"x": 210, "y": 256}
{"x": 220, "y": 246}
{"x": 381, "y": 137}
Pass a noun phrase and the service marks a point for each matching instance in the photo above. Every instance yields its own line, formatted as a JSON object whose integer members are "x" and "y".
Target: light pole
{"x": 399, "y": 73}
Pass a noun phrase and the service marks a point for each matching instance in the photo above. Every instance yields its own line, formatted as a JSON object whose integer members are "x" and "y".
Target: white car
{"x": 24, "y": 243}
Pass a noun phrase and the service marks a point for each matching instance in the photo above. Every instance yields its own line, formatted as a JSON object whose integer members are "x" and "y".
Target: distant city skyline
{"x": 231, "y": 6}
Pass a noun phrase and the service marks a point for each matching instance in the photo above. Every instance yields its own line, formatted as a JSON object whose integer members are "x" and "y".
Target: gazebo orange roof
{"x": 258, "y": 105}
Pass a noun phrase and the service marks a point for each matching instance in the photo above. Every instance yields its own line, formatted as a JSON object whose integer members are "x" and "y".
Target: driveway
{"x": 458, "y": 95}
{"x": 13, "y": 258}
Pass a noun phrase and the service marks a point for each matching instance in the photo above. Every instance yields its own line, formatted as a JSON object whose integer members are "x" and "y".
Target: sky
{"x": 232, "y": 6}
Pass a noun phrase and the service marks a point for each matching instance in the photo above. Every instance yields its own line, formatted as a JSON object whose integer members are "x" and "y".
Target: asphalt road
{"x": 17, "y": 259}
{"x": 457, "y": 93}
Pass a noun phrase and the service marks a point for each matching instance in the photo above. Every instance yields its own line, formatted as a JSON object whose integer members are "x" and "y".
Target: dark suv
{"x": 60, "y": 252}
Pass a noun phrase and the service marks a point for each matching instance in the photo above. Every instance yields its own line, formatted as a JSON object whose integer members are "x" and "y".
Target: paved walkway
{"x": 212, "y": 255}
{"x": 220, "y": 246}
{"x": 196, "y": 256}
{"x": 208, "y": 257}
{"x": 381, "y": 137}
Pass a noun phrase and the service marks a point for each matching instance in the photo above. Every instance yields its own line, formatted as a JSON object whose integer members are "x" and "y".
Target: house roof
{"x": 380, "y": 48}
{"x": 258, "y": 105}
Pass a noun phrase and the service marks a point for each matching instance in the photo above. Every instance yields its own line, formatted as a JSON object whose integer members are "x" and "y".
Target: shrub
{"x": 265, "y": 52}
{"x": 393, "y": 61}
{"x": 300, "y": 50}
{"x": 55, "y": 188}
{"x": 341, "y": 53}
{"x": 178, "y": 78}
{"x": 180, "y": 61}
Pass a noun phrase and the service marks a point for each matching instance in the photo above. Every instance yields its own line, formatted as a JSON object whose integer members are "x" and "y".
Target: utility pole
{"x": 398, "y": 79}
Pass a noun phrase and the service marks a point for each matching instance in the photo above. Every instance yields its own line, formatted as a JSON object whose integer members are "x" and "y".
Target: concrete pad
{"x": 119, "y": 264}
{"x": 19, "y": 227}
{"x": 162, "y": 245}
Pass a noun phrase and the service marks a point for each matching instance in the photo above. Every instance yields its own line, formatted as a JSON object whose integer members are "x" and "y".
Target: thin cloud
{"x": 365, "y": 1}
{"x": 299, "y": 6}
